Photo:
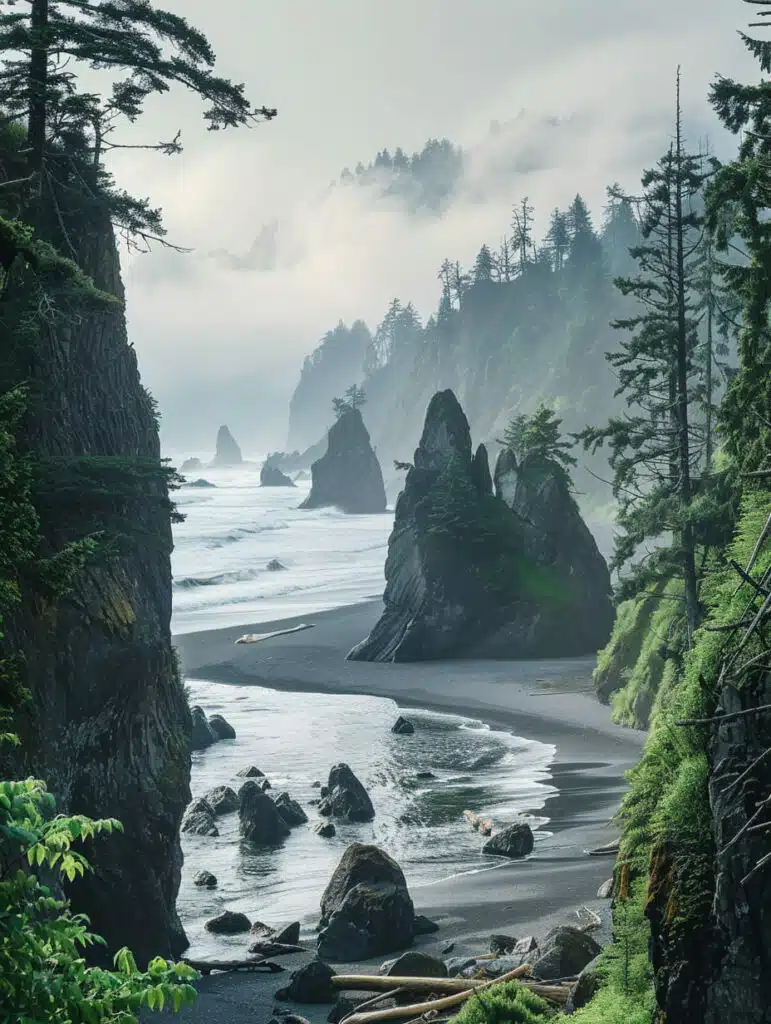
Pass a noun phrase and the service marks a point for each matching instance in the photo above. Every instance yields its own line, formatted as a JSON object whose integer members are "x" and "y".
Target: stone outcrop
{"x": 271, "y": 476}
{"x": 345, "y": 797}
{"x": 229, "y": 922}
{"x": 260, "y": 821}
{"x": 366, "y": 909}
{"x": 476, "y": 569}
{"x": 348, "y": 476}
{"x": 403, "y": 727}
{"x": 228, "y": 453}
{"x": 107, "y": 726}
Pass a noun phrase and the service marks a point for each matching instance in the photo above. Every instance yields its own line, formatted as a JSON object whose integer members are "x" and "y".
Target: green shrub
{"x": 508, "y": 1003}
{"x": 43, "y": 975}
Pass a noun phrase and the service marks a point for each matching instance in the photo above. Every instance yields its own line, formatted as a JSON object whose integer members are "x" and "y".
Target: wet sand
{"x": 550, "y": 701}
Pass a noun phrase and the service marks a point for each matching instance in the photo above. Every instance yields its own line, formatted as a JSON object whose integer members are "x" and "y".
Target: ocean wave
{"x": 240, "y": 532}
{"x": 236, "y": 576}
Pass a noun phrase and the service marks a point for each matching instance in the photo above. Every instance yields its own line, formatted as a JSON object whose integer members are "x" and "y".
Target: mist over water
{"x": 295, "y": 738}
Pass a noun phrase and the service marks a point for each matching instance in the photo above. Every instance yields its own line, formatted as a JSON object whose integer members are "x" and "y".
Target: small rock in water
{"x": 325, "y": 829}
{"x": 251, "y": 772}
{"x": 222, "y": 800}
{"x": 323, "y": 791}
{"x": 221, "y": 728}
{"x": 310, "y": 984}
{"x": 513, "y": 841}
{"x": 289, "y": 936}
{"x": 448, "y": 948}
{"x": 424, "y": 925}
{"x": 262, "y": 931}
{"x": 314, "y": 803}
{"x": 205, "y": 880}
{"x": 347, "y": 798}
{"x": 606, "y": 890}
{"x": 502, "y": 944}
{"x": 290, "y": 810}
{"x": 424, "y": 776}
{"x": 229, "y": 922}
{"x": 415, "y": 965}
{"x": 200, "y": 482}
{"x": 274, "y": 565}
{"x": 199, "y": 820}
{"x": 260, "y": 821}
{"x": 203, "y": 735}
{"x": 316, "y": 785}
{"x": 403, "y": 727}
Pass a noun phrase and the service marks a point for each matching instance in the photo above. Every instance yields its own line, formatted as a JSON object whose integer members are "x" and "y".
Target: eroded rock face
{"x": 271, "y": 476}
{"x": 473, "y": 570}
{"x": 228, "y": 453}
{"x": 348, "y": 476}
{"x": 345, "y": 797}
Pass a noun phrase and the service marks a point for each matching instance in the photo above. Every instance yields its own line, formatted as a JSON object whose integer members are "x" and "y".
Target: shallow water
{"x": 295, "y": 738}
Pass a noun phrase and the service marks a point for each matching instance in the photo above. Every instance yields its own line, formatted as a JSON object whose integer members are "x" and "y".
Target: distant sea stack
{"x": 271, "y": 476}
{"x": 478, "y": 570}
{"x": 228, "y": 452}
{"x": 348, "y": 476}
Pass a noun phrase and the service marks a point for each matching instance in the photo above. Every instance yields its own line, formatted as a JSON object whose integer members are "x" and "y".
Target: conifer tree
{"x": 503, "y": 262}
{"x": 744, "y": 187}
{"x": 558, "y": 239}
{"x": 654, "y": 453}
{"x": 522, "y": 235}
{"x": 484, "y": 265}
{"x": 459, "y": 283}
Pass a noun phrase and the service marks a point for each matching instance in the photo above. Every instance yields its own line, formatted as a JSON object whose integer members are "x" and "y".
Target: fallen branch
{"x": 207, "y": 966}
{"x": 482, "y": 825}
{"x": 256, "y": 638}
{"x": 758, "y": 587}
{"x": 370, "y": 1003}
{"x": 373, "y": 982}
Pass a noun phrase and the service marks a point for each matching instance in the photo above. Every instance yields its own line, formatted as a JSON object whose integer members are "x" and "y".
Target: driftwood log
{"x": 268, "y": 948}
{"x": 483, "y": 825}
{"x": 259, "y": 964}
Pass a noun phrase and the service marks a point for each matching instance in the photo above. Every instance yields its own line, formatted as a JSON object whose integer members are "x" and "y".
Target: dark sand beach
{"x": 550, "y": 701}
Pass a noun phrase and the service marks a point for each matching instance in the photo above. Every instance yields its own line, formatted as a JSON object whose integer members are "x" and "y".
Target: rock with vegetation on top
{"x": 271, "y": 476}
{"x": 476, "y": 571}
{"x": 228, "y": 453}
{"x": 345, "y": 797}
{"x": 222, "y": 800}
{"x": 403, "y": 727}
{"x": 513, "y": 841}
{"x": 221, "y": 728}
{"x": 205, "y": 880}
{"x": 260, "y": 821}
{"x": 290, "y": 810}
{"x": 229, "y": 922}
{"x": 200, "y": 482}
{"x": 198, "y": 819}
{"x": 348, "y": 476}
{"x": 366, "y": 909}
{"x": 310, "y": 984}
{"x": 190, "y": 465}
{"x": 563, "y": 953}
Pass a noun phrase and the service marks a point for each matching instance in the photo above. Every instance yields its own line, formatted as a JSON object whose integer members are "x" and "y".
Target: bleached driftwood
{"x": 483, "y": 825}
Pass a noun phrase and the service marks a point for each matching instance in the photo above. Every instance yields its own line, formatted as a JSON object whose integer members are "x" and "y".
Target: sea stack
{"x": 271, "y": 476}
{"x": 228, "y": 453}
{"x": 488, "y": 571}
{"x": 348, "y": 476}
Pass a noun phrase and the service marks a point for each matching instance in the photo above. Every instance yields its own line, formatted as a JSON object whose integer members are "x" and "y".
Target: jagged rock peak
{"x": 228, "y": 453}
{"x": 271, "y": 476}
{"x": 348, "y": 476}
{"x": 470, "y": 573}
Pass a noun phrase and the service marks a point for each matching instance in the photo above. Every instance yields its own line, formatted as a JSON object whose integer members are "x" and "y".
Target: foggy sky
{"x": 353, "y": 76}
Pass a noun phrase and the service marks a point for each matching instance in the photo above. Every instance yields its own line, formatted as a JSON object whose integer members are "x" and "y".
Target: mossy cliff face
{"x": 108, "y": 724}
{"x": 476, "y": 573}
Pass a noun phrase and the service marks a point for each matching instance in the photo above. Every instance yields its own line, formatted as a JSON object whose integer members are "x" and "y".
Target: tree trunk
{"x": 38, "y": 95}
{"x": 708, "y": 386}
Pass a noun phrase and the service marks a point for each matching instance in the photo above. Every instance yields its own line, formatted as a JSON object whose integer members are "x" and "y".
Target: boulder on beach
{"x": 198, "y": 819}
{"x": 221, "y": 728}
{"x": 290, "y": 810}
{"x": 589, "y": 982}
{"x": 259, "y": 819}
{"x": 605, "y": 891}
{"x": 366, "y": 909}
{"x": 222, "y": 799}
{"x": 262, "y": 931}
{"x": 190, "y": 466}
{"x": 349, "y": 1000}
{"x": 563, "y": 953}
{"x": 348, "y": 476}
{"x": 346, "y": 797}
{"x": 229, "y": 922}
{"x": 310, "y": 984}
{"x": 205, "y": 880}
{"x": 271, "y": 476}
{"x": 513, "y": 841}
{"x": 414, "y": 964}
{"x": 483, "y": 570}
{"x": 403, "y": 727}
{"x": 203, "y": 735}
{"x": 502, "y": 945}
{"x": 289, "y": 935}
{"x": 228, "y": 453}
{"x": 424, "y": 925}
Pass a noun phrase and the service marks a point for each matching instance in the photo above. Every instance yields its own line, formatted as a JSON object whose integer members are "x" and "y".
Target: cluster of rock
{"x": 348, "y": 476}
{"x": 482, "y": 568}
{"x": 207, "y": 731}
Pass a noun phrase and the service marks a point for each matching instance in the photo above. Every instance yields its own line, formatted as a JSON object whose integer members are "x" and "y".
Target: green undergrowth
{"x": 508, "y": 1003}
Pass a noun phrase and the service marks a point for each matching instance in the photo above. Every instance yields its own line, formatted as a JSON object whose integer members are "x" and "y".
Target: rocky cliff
{"x": 228, "y": 453}
{"x": 475, "y": 571}
{"x": 348, "y": 476}
{"x": 108, "y": 725}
